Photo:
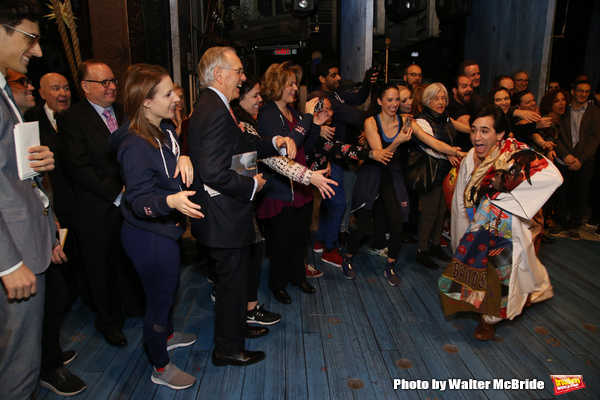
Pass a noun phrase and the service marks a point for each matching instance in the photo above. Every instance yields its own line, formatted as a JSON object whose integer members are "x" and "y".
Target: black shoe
{"x": 253, "y": 332}
{"x": 68, "y": 356}
{"x": 261, "y": 316}
{"x": 282, "y": 296}
{"x": 439, "y": 252}
{"x": 548, "y": 239}
{"x": 307, "y": 288}
{"x": 244, "y": 358}
{"x": 62, "y": 382}
{"x": 116, "y": 339}
{"x": 424, "y": 259}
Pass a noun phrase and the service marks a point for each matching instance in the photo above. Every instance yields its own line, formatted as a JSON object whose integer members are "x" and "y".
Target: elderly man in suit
{"x": 94, "y": 172}
{"x": 26, "y": 226}
{"x": 54, "y": 375}
{"x": 226, "y": 197}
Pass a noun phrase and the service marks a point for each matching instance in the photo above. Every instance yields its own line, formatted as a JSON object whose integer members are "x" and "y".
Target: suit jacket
{"x": 26, "y": 231}
{"x": 589, "y": 135}
{"x": 213, "y": 138}
{"x": 92, "y": 167}
{"x": 60, "y": 185}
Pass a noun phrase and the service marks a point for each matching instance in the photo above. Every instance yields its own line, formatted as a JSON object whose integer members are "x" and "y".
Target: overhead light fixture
{"x": 303, "y": 4}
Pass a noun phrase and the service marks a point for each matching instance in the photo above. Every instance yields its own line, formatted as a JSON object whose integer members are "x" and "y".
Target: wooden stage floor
{"x": 353, "y": 339}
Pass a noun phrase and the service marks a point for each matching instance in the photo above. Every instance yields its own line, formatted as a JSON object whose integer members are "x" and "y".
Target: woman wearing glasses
{"x": 154, "y": 209}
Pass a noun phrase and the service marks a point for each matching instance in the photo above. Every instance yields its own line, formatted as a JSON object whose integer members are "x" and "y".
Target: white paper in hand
{"x": 27, "y": 134}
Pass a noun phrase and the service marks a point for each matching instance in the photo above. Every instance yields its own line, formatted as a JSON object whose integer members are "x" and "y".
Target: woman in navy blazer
{"x": 155, "y": 208}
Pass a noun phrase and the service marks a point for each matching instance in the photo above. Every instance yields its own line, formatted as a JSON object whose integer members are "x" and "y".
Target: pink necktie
{"x": 110, "y": 121}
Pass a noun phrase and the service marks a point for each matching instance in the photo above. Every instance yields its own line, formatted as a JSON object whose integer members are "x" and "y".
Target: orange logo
{"x": 567, "y": 383}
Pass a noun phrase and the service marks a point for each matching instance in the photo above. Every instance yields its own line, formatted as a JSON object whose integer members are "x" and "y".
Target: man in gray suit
{"x": 26, "y": 225}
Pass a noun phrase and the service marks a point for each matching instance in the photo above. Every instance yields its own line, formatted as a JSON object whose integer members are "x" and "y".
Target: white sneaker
{"x": 173, "y": 377}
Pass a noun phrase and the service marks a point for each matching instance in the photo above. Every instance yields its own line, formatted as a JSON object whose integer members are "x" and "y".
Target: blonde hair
{"x": 276, "y": 78}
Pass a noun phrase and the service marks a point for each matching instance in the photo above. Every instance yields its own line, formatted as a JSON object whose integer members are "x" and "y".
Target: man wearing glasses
{"x": 97, "y": 185}
{"x": 521, "y": 79}
{"x": 26, "y": 225}
{"x": 413, "y": 76}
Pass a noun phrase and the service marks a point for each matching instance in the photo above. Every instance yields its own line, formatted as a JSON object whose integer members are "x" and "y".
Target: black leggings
{"x": 386, "y": 208}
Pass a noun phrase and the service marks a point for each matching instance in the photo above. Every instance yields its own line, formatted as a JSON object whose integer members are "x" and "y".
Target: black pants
{"x": 55, "y": 302}
{"x": 232, "y": 267}
{"x": 386, "y": 212}
{"x": 572, "y": 195}
{"x": 287, "y": 239}
{"x": 434, "y": 209}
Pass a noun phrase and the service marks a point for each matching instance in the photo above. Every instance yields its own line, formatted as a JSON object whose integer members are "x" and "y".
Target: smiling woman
{"x": 155, "y": 208}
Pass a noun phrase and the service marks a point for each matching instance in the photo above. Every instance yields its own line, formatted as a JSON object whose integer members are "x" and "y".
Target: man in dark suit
{"x": 575, "y": 150}
{"x": 54, "y": 375}
{"x": 96, "y": 178}
{"x": 26, "y": 225}
{"x": 226, "y": 197}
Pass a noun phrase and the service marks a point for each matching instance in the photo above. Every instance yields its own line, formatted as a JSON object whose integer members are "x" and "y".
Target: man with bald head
{"x": 94, "y": 172}
{"x": 62, "y": 273}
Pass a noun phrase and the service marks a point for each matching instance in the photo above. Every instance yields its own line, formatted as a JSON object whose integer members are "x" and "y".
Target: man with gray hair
{"x": 228, "y": 229}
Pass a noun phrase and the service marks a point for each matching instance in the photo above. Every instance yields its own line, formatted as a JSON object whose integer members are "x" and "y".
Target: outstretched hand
{"x": 181, "y": 202}
{"x": 319, "y": 180}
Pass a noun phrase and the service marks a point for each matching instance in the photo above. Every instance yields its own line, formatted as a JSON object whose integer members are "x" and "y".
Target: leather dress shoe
{"x": 116, "y": 339}
{"x": 307, "y": 288}
{"x": 253, "y": 332}
{"x": 246, "y": 357}
{"x": 282, "y": 296}
{"x": 484, "y": 330}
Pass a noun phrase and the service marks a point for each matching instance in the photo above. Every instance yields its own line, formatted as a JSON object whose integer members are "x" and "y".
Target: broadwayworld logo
{"x": 567, "y": 383}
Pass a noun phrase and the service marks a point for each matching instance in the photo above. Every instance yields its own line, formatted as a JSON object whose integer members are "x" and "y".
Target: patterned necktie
{"x": 110, "y": 121}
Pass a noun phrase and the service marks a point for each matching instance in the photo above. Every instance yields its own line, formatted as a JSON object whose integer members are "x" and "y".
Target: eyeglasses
{"x": 23, "y": 82}
{"x": 238, "y": 70}
{"x": 33, "y": 38}
{"x": 414, "y": 74}
{"x": 522, "y": 80}
{"x": 105, "y": 83}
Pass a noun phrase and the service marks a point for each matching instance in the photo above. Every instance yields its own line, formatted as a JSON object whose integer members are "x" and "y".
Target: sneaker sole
{"x": 318, "y": 250}
{"x": 591, "y": 226}
{"x": 58, "y": 392}
{"x": 175, "y": 346}
{"x": 67, "y": 362}
{"x": 161, "y": 382}
{"x": 254, "y": 322}
{"x": 331, "y": 263}
{"x": 574, "y": 238}
{"x": 315, "y": 276}
{"x": 375, "y": 253}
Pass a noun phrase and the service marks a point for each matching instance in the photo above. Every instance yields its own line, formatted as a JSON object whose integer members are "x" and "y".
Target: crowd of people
{"x": 113, "y": 186}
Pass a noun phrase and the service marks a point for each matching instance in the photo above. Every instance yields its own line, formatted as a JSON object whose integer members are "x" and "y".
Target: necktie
{"x": 232, "y": 115}
{"x": 110, "y": 121}
{"x": 10, "y": 95}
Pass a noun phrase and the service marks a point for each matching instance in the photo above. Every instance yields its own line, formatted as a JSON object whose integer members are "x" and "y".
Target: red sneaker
{"x": 332, "y": 257}
{"x": 312, "y": 272}
{"x": 319, "y": 246}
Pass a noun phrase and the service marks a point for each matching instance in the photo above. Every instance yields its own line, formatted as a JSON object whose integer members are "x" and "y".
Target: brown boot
{"x": 484, "y": 330}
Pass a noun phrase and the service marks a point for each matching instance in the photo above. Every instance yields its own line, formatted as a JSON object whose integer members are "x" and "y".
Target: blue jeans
{"x": 332, "y": 211}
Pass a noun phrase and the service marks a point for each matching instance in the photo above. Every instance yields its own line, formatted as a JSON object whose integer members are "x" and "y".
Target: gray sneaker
{"x": 173, "y": 377}
{"x": 180, "y": 340}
